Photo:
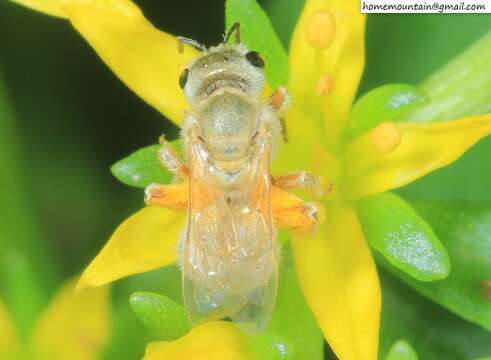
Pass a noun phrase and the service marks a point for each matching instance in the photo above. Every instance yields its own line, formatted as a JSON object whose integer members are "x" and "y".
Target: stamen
{"x": 386, "y": 138}
{"x": 320, "y": 29}
{"x": 361, "y": 153}
{"x": 325, "y": 85}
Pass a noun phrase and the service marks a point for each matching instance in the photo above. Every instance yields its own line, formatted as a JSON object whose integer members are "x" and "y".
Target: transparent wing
{"x": 230, "y": 255}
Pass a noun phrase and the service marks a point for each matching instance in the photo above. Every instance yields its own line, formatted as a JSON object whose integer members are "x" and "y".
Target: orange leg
{"x": 292, "y": 213}
{"x": 171, "y": 196}
{"x": 280, "y": 100}
{"x": 289, "y": 211}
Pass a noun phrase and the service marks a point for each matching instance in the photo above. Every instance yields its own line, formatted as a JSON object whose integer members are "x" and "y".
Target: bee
{"x": 228, "y": 251}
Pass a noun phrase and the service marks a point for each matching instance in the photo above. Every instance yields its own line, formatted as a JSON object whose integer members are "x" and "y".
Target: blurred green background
{"x": 71, "y": 119}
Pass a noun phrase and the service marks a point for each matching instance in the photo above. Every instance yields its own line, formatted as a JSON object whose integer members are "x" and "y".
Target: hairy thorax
{"x": 228, "y": 123}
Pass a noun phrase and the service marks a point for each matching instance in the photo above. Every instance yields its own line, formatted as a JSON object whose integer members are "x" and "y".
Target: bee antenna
{"x": 235, "y": 28}
{"x": 181, "y": 40}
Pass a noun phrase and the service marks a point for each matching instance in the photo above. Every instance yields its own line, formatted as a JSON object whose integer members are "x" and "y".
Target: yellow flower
{"x": 335, "y": 267}
{"x": 74, "y": 326}
{"x": 214, "y": 340}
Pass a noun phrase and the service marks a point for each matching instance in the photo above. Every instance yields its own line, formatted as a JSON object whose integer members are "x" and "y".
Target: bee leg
{"x": 171, "y": 196}
{"x": 302, "y": 180}
{"x": 171, "y": 161}
{"x": 280, "y": 100}
{"x": 294, "y": 214}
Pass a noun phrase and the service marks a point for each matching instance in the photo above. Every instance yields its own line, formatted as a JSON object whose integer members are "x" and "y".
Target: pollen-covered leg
{"x": 302, "y": 180}
{"x": 171, "y": 196}
{"x": 171, "y": 161}
{"x": 289, "y": 211}
{"x": 280, "y": 100}
{"x": 292, "y": 213}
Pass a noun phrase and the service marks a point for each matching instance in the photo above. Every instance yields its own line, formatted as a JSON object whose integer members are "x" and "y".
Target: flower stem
{"x": 460, "y": 88}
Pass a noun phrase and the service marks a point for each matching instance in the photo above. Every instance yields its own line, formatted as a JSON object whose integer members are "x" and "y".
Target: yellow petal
{"x": 423, "y": 149}
{"x": 339, "y": 279}
{"x": 144, "y": 58}
{"x": 327, "y": 48}
{"x": 304, "y": 136}
{"x": 143, "y": 242}
{"x": 8, "y": 337}
{"x": 75, "y": 326}
{"x": 218, "y": 340}
{"x": 57, "y": 7}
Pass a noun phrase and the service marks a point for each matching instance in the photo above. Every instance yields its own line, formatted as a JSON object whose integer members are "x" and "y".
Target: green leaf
{"x": 292, "y": 318}
{"x": 434, "y": 332}
{"x": 143, "y": 167}
{"x": 465, "y": 230}
{"x": 165, "y": 318}
{"x": 402, "y": 350}
{"x": 385, "y": 103}
{"x": 409, "y": 48}
{"x": 460, "y": 88}
{"x": 284, "y": 18}
{"x": 397, "y": 232}
{"x": 26, "y": 274}
{"x": 258, "y": 34}
{"x": 273, "y": 347}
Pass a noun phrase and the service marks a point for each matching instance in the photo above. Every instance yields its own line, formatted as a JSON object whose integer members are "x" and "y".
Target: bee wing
{"x": 230, "y": 255}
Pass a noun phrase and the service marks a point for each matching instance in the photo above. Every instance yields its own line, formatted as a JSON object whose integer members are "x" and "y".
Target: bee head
{"x": 223, "y": 66}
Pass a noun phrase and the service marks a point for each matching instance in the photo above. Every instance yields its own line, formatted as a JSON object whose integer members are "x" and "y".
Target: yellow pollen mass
{"x": 366, "y": 149}
{"x": 325, "y": 85}
{"x": 386, "y": 137}
{"x": 321, "y": 29}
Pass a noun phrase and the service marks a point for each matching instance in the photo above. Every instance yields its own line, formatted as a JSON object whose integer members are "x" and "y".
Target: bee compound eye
{"x": 255, "y": 59}
{"x": 183, "y": 78}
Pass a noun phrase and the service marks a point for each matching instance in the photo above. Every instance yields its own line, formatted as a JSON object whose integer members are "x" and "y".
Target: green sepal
{"x": 385, "y": 103}
{"x": 405, "y": 240}
{"x": 143, "y": 167}
{"x": 401, "y": 350}
{"x": 273, "y": 347}
{"x": 163, "y": 317}
{"x": 465, "y": 230}
{"x": 258, "y": 34}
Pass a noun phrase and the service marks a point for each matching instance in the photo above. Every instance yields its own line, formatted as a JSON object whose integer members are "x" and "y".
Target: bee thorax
{"x": 228, "y": 123}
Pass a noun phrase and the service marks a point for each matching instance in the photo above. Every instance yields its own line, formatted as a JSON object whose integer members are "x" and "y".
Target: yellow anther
{"x": 320, "y": 29}
{"x": 365, "y": 150}
{"x": 386, "y": 137}
{"x": 325, "y": 85}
